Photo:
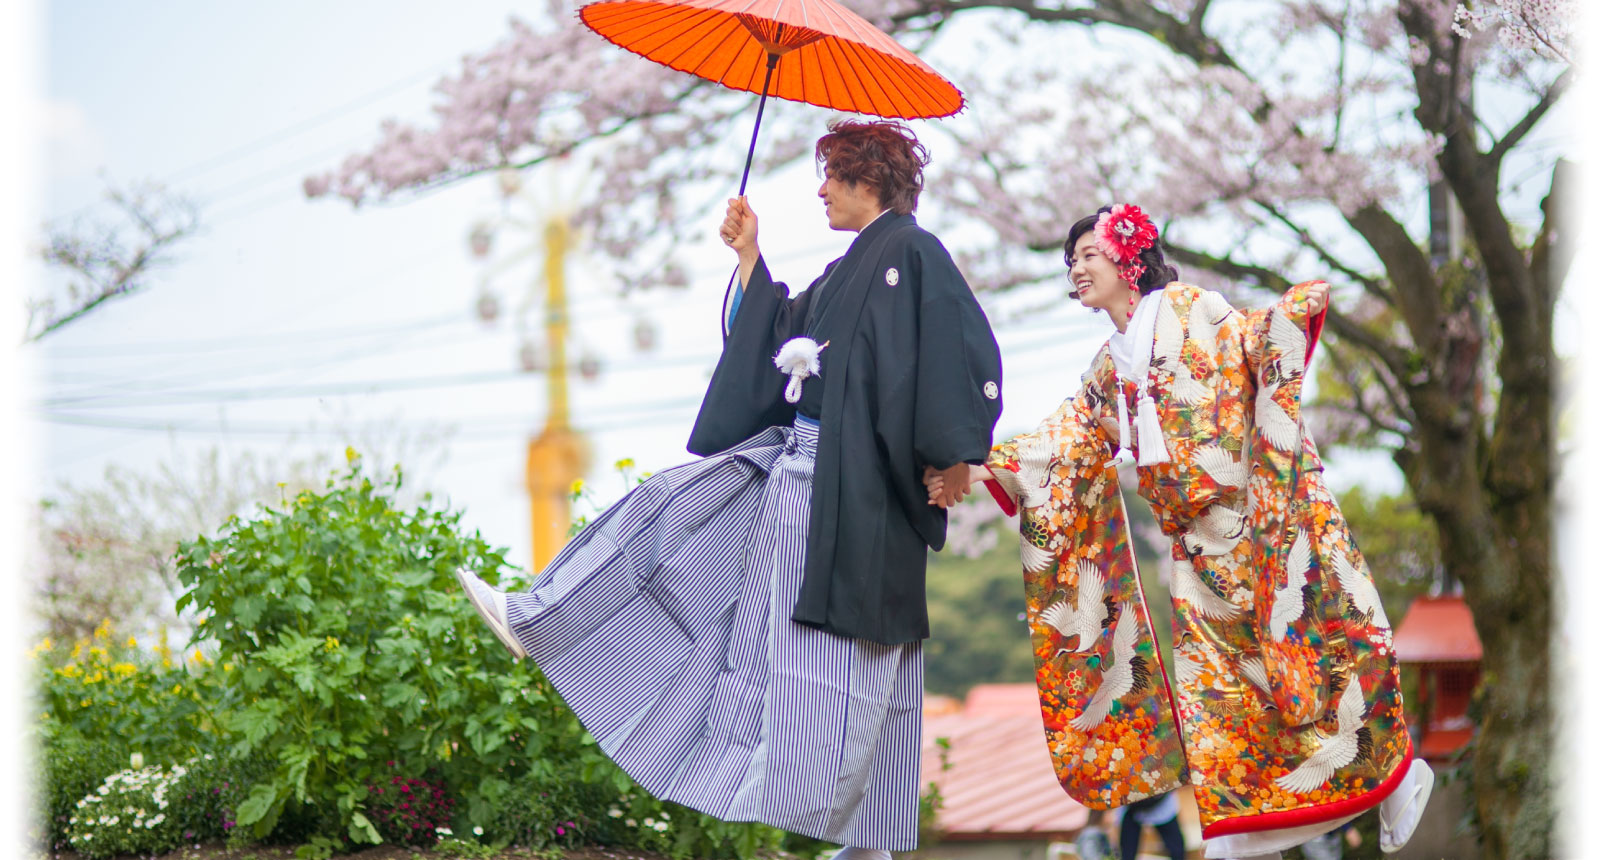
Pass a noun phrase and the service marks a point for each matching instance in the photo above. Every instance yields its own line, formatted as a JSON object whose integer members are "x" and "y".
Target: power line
{"x": 207, "y": 165}
{"x": 628, "y": 415}
{"x": 124, "y": 399}
{"x": 259, "y": 341}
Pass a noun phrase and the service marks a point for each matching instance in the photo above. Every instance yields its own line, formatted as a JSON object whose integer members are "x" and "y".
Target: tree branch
{"x": 1413, "y": 284}
{"x": 1554, "y": 249}
{"x": 1384, "y": 376}
{"x": 1354, "y": 403}
{"x": 1254, "y": 275}
{"x": 1517, "y": 132}
{"x": 111, "y": 265}
{"x": 1372, "y": 285}
{"x": 1393, "y": 358}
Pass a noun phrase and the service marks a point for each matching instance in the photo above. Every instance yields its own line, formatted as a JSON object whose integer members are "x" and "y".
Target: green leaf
{"x": 361, "y": 830}
{"x": 263, "y": 797}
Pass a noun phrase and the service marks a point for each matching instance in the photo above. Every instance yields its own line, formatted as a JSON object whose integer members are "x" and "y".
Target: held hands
{"x": 1316, "y": 297}
{"x": 948, "y": 486}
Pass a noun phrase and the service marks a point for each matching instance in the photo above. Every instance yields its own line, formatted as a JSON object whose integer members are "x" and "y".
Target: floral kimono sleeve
{"x": 1107, "y": 717}
{"x": 1289, "y": 617}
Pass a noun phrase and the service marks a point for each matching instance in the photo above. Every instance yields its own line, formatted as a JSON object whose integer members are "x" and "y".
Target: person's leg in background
{"x": 1171, "y": 838}
{"x": 1128, "y": 838}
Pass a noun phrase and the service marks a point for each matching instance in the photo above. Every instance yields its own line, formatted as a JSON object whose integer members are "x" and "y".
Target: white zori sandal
{"x": 491, "y": 606}
{"x": 1401, "y": 812}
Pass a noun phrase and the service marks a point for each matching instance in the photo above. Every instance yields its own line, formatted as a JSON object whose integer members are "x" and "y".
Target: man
{"x": 742, "y": 634}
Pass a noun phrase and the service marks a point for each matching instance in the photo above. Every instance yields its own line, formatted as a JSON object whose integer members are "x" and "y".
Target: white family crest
{"x": 892, "y": 276}
{"x": 990, "y": 390}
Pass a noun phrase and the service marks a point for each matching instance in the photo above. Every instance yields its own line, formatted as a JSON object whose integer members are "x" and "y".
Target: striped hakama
{"x": 665, "y": 625}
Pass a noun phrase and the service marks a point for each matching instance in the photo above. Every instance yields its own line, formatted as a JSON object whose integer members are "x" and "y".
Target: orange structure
{"x": 1439, "y": 638}
{"x": 556, "y": 457}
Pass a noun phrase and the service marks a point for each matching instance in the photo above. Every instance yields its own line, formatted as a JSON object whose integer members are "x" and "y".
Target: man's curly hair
{"x": 883, "y": 154}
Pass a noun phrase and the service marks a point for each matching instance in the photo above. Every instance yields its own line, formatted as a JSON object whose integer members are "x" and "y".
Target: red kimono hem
{"x": 1001, "y": 498}
{"x": 1313, "y": 814}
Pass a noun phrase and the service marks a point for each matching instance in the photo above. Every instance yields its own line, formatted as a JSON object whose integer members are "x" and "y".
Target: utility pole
{"x": 557, "y": 455}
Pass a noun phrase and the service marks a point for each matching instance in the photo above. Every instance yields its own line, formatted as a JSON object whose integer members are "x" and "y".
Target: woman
{"x": 1284, "y": 686}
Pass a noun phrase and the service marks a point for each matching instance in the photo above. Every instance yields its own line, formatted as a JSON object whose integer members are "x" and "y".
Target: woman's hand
{"x": 1316, "y": 297}
{"x": 949, "y": 486}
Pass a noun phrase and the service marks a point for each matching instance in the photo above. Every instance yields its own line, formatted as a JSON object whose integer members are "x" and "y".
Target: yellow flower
{"x": 625, "y": 463}
{"x": 132, "y": 642}
{"x": 577, "y": 487}
{"x": 330, "y": 643}
{"x": 124, "y": 669}
{"x": 104, "y": 630}
{"x": 350, "y": 454}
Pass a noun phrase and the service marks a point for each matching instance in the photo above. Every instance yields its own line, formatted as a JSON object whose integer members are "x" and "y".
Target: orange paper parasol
{"x": 813, "y": 51}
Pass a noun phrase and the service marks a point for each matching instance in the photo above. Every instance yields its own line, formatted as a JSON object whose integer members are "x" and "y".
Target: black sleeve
{"x": 746, "y": 392}
{"x": 958, "y": 381}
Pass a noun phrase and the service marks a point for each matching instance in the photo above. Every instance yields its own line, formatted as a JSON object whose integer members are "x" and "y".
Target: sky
{"x": 288, "y": 326}
{"x": 294, "y": 318}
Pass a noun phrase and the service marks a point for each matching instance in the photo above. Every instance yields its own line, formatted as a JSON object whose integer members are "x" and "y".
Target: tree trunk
{"x": 1505, "y": 570}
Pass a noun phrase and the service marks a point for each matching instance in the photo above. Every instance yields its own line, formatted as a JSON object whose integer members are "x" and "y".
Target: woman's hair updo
{"x": 1157, "y": 272}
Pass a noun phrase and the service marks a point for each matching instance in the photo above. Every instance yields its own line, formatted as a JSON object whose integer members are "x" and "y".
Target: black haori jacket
{"x": 912, "y": 378}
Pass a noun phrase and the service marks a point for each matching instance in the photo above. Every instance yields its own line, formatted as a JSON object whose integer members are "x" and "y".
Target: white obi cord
{"x": 801, "y": 359}
{"x": 1131, "y": 352}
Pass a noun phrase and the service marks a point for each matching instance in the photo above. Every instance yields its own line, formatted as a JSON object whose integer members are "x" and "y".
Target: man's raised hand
{"x": 739, "y": 226}
{"x": 738, "y": 231}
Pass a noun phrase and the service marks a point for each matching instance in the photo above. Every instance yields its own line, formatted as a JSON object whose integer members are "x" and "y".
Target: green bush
{"x": 205, "y": 801}
{"x": 353, "y": 646}
{"x": 108, "y": 687}
{"x": 72, "y": 767}
{"x": 343, "y": 646}
{"x": 127, "y": 814}
{"x": 103, "y": 699}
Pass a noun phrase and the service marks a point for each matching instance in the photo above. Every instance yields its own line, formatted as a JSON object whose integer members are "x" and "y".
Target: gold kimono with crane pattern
{"x": 1284, "y": 684}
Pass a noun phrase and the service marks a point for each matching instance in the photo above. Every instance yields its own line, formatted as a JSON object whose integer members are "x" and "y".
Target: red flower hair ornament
{"x": 1123, "y": 234}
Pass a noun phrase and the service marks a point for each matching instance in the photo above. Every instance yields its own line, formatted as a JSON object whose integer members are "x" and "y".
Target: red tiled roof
{"x": 1438, "y": 630}
{"x": 1000, "y": 784}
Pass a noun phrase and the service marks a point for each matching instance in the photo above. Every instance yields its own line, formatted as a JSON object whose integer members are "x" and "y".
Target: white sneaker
{"x": 491, "y": 606}
{"x": 1401, "y": 812}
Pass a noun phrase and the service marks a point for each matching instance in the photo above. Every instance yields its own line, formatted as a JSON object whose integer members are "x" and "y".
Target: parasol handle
{"x": 772, "y": 63}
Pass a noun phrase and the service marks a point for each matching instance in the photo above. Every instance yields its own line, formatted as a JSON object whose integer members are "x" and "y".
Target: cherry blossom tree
{"x": 1304, "y": 138}
{"x": 108, "y": 259}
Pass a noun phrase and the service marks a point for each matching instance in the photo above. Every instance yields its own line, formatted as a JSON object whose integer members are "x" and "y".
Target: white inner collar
{"x": 1131, "y": 349}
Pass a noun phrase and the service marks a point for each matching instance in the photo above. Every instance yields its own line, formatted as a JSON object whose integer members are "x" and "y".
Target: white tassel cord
{"x": 800, "y": 358}
{"x": 1152, "y": 447}
{"x": 1124, "y": 432}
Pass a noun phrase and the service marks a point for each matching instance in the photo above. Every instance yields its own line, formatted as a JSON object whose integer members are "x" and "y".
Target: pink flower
{"x": 1124, "y": 232}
